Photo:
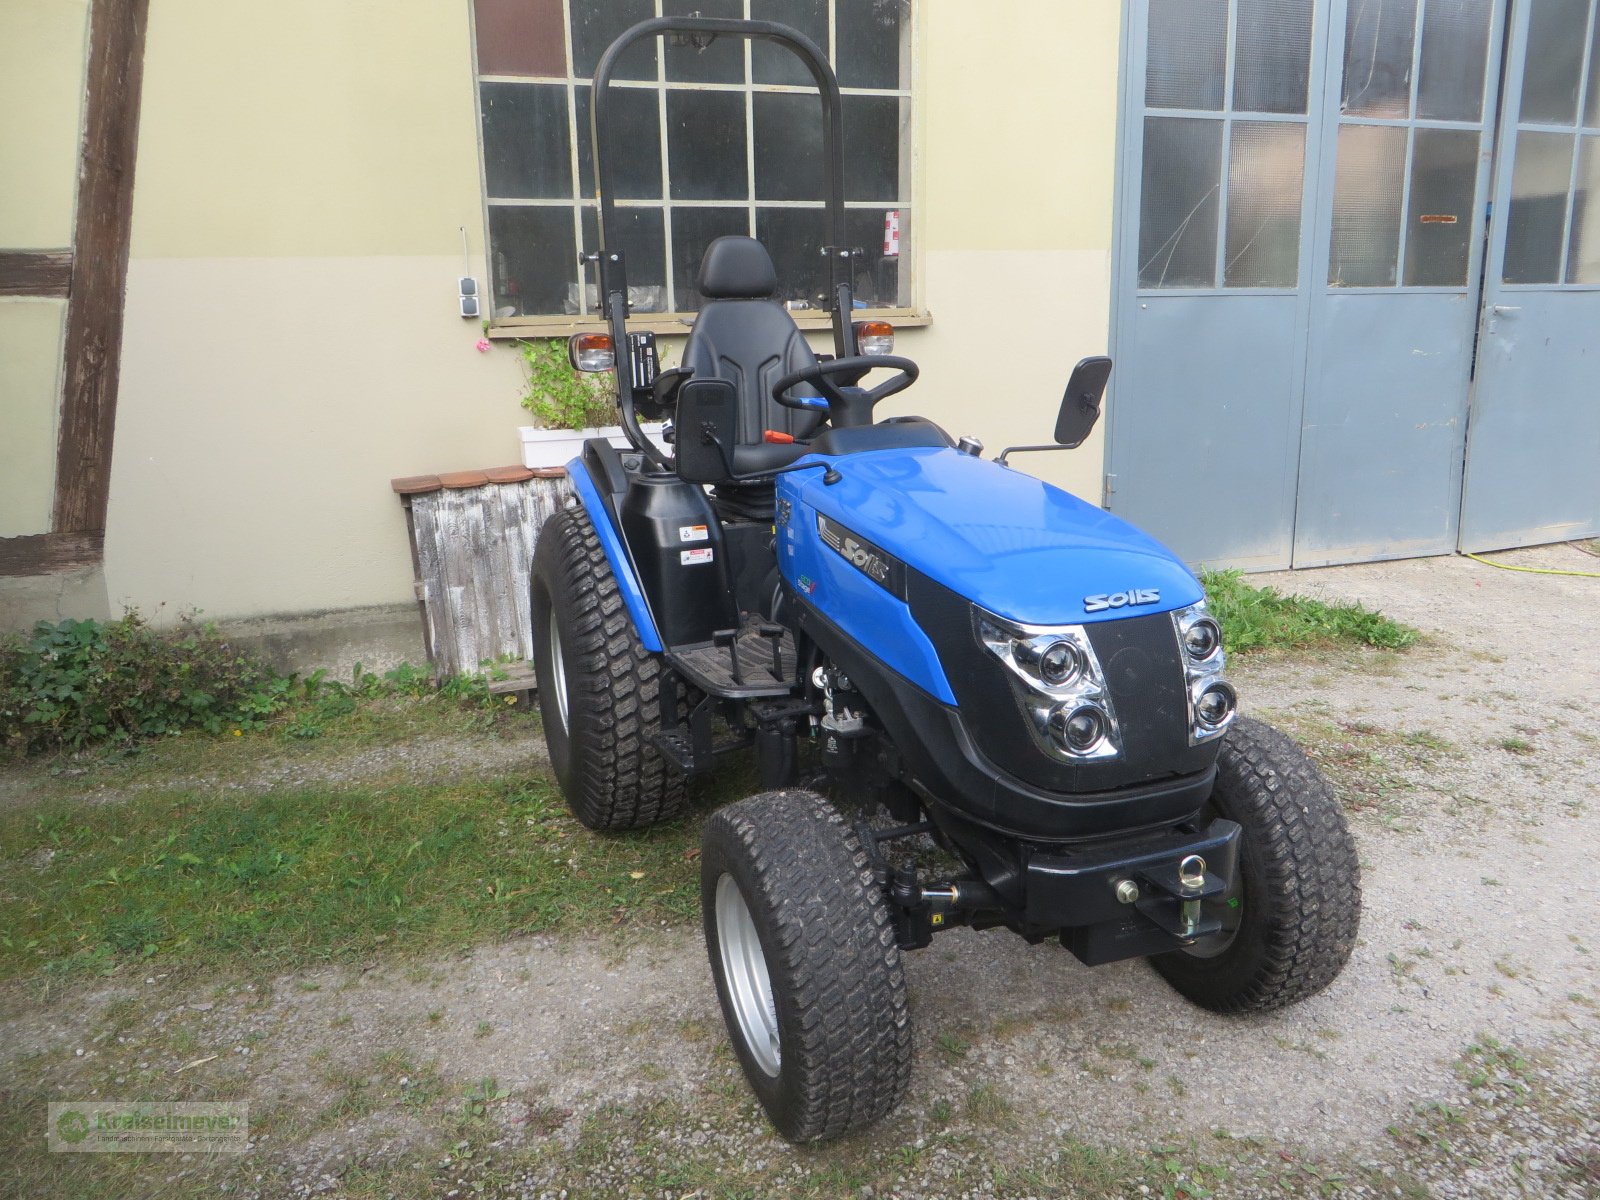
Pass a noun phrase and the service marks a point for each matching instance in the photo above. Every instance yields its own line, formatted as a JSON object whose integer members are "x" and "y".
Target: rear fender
{"x": 616, "y": 550}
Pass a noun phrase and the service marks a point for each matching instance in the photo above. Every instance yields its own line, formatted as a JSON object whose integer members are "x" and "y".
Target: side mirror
{"x": 706, "y": 426}
{"x": 1080, "y": 406}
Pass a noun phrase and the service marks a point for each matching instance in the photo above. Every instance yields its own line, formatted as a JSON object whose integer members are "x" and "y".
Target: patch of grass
{"x": 284, "y": 879}
{"x": 1258, "y": 618}
{"x": 986, "y": 1106}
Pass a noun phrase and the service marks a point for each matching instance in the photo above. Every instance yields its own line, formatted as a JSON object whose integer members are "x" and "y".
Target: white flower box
{"x": 557, "y": 447}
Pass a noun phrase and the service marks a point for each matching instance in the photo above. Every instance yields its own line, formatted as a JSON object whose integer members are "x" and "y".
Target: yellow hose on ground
{"x": 1531, "y": 570}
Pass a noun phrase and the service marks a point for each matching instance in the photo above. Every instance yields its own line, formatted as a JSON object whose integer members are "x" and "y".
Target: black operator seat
{"x": 745, "y": 336}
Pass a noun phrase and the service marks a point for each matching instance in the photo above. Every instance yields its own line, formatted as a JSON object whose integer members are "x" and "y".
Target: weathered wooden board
{"x": 474, "y": 551}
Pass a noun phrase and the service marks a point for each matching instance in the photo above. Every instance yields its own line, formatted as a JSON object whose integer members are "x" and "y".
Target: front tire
{"x": 1290, "y": 923}
{"x": 598, "y": 685}
{"x": 806, "y": 964}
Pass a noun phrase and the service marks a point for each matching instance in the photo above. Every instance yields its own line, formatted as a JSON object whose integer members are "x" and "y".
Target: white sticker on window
{"x": 693, "y": 533}
{"x": 689, "y": 557}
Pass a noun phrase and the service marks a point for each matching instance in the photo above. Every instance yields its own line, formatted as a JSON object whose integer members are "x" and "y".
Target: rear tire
{"x": 598, "y": 685}
{"x": 1291, "y": 923}
{"x": 806, "y": 964}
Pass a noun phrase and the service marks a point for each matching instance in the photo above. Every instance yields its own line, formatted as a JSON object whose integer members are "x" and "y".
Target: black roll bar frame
{"x": 610, "y": 263}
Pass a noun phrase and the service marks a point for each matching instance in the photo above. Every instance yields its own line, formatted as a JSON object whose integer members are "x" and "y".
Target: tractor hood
{"x": 1011, "y": 543}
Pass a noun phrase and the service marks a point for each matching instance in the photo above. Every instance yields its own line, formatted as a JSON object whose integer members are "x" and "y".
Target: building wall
{"x": 305, "y": 175}
{"x": 42, "y": 47}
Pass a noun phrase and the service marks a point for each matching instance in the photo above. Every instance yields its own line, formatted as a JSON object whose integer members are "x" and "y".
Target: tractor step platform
{"x": 753, "y": 661}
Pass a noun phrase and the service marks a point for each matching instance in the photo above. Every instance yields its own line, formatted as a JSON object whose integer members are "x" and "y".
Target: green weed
{"x": 1257, "y": 618}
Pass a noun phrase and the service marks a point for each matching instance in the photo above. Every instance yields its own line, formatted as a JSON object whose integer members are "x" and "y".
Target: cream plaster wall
{"x": 30, "y": 387}
{"x": 305, "y": 171}
{"x": 251, "y": 472}
{"x": 42, "y": 53}
{"x": 1016, "y": 176}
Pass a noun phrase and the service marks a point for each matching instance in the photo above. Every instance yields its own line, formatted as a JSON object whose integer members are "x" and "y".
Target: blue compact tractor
{"x": 932, "y": 657}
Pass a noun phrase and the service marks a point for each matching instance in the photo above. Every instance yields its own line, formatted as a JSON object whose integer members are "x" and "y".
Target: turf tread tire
{"x": 1301, "y": 876}
{"x": 605, "y": 759}
{"x": 837, "y": 972}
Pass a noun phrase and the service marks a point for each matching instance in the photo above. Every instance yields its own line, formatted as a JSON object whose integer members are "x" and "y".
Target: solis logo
{"x": 1120, "y": 599}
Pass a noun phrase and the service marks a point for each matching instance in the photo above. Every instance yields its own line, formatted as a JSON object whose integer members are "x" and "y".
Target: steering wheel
{"x": 847, "y": 405}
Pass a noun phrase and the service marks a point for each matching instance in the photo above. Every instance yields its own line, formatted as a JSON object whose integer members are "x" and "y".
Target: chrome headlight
{"x": 1058, "y": 684}
{"x": 1213, "y": 704}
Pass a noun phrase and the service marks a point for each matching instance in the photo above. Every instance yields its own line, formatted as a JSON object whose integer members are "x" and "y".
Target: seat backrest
{"x": 744, "y": 336}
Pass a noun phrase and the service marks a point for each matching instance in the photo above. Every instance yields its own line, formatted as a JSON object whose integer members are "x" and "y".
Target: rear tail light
{"x": 592, "y": 352}
{"x": 874, "y": 337}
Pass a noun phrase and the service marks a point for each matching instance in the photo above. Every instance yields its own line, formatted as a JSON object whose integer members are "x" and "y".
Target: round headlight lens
{"x": 1202, "y": 638}
{"x": 1060, "y": 663}
{"x": 1080, "y": 729}
{"x": 1215, "y": 705}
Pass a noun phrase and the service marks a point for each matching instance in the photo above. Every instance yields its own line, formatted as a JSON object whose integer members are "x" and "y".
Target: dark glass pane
{"x": 879, "y": 281}
{"x": 535, "y": 264}
{"x": 636, "y": 173}
{"x": 520, "y": 37}
{"x": 869, "y": 42}
{"x": 1439, "y": 220}
{"x": 640, "y": 234}
{"x": 1272, "y": 56}
{"x": 1366, "y": 206}
{"x": 871, "y": 147}
{"x": 1266, "y": 168}
{"x": 1379, "y": 36}
{"x": 1538, "y": 215}
{"x": 1455, "y": 49}
{"x": 706, "y": 146}
{"x": 794, "y": 237}
{"x": 596, "y": 24}
{"x": 1178, "y": 202}
{"x": 1583, "y": 254}
{"x": 1555, "y": 57}
{"x": 693, "y": 229}
{"x": 720, "y": 62}
{"x": 788, "y": 141}
{"x": 1187, "y": 54}
{"x": 771, "y": 62}
{"x": 526, "y": 148}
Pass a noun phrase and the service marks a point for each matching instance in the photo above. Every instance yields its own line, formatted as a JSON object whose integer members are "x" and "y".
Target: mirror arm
{"x": 1027, "y": 449}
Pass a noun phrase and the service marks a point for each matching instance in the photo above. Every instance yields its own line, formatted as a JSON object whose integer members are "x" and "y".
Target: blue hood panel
{"x": 1011, "y": 543}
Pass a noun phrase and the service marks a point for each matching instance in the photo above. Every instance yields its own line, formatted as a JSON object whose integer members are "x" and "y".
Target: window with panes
{"x": 725, "y": 139}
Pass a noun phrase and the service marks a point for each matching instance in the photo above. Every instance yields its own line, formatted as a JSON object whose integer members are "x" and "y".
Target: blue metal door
{"x": 1300, "y": 273}
{"x": 1214, "y": 234}
{"x": 1533, "y": 461}
{"x": 1408, "y": 112}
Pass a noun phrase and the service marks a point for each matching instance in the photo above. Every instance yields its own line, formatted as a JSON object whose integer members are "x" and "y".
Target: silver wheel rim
{"x": 558, "y": 671}
{"x": 744, "y": 970}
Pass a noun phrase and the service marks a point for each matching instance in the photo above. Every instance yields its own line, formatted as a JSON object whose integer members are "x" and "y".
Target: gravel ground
{"x": 1455, "y": 1057}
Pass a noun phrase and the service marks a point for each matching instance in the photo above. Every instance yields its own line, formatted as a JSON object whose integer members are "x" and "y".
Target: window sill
{"x": 665, "y": 324}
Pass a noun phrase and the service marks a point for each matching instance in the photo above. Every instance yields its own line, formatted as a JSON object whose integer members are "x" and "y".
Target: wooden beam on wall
{"x": 49, "y": 553}
{"x": 36, "y": 273}
{"x": 100, "y": 265}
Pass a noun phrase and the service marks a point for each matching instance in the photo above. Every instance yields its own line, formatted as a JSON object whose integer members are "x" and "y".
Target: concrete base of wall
{"x": 378, "y": 638}
{"x": 26, "y": 600}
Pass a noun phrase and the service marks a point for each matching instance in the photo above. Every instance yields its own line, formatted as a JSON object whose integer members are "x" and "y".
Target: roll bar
{"x": 609, "y": 262}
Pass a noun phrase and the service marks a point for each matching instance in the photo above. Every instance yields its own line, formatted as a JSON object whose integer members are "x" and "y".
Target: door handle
{"x": 1501, "y": 310}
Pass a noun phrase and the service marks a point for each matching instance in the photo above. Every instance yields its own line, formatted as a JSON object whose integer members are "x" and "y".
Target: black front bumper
{"x": 1078, "y": 893}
